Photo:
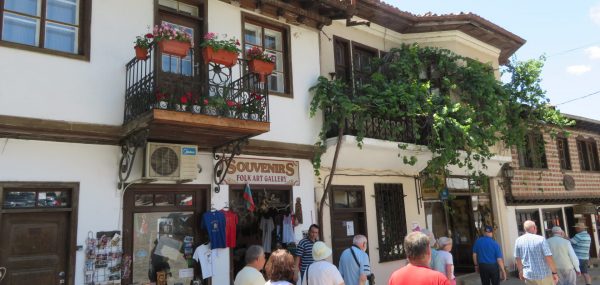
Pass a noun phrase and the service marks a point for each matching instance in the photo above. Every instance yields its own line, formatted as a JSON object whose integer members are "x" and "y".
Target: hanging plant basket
{"x": 226, "y": 58}
{"x": 174, "y": 47}
{"x": 261, "y": 67}
{"x": 141, "y": 53}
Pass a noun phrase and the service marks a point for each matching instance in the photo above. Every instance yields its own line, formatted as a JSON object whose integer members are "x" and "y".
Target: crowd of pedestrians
{"x": 540, "y": 261}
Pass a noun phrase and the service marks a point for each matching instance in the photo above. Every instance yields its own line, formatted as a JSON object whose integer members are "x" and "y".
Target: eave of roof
{"x": 585, "y": 123}
{"x": 403, "y": 22}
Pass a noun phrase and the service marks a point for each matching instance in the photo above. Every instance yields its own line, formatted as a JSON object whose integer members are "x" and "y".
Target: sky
{"x": 567, "y": 32}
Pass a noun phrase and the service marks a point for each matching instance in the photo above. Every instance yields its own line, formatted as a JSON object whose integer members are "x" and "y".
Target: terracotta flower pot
{"x": 262, "y": 68}
{"x": 226, "y": 58}
{"x": 141, "y": 53}
{"x": 174, "y": 47}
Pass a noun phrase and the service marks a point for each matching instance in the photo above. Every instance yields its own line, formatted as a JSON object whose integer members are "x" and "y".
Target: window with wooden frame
{"x": 562, "y": 145}
{"x": 533, "y": 153}
{"x": 274, "y": 40}
{"x": 362, "y": 59}
{"x": 54, "y": 26}
{"x": 391, "y": 221}
{"x": 588, "y": 154}
{"x": 341, "y": 55}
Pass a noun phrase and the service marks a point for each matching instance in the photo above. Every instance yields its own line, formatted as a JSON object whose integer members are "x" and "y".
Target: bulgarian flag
{"x": 248, "y": 197}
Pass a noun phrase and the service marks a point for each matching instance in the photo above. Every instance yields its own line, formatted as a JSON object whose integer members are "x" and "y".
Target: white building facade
{"x": 77, "y": 111}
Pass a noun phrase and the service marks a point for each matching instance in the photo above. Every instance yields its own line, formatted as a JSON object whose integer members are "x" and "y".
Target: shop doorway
{"x": 348, "y": 217}
{"x": 37, "y": 233}
{"x": 265, "y": 225}
{"x": 463, "y": 233}
{"x": 161, "y": 228}
{"x": 462, "y": 216}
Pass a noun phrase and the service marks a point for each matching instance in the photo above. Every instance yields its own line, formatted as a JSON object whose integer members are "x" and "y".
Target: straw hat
{"x": 581, "y": 226}
{"x": 320, "y": 251}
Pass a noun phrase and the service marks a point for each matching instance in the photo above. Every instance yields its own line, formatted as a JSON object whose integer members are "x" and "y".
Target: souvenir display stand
{"x": 103, "y": 258}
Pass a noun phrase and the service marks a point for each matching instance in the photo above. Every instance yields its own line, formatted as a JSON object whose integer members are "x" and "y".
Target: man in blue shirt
{"x": 487, "y": 258}
{"x": 354, "y": 262}
{"x": 304, "y": 256}
{"x": 581, "y": 244}
{"x": 534, "y": 258}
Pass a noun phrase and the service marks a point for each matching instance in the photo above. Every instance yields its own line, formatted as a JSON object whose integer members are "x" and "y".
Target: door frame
{"x": 73, "y": 187}
{"x": 129, "y": 210}
{"x": 363, "y": 210}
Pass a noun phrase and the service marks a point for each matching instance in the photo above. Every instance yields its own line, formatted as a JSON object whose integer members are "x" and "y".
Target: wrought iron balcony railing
{"x": 178, "y": 84}
{"x": 390, "y": 129}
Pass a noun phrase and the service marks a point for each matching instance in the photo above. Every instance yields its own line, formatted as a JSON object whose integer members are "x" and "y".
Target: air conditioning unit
{"x": 171, "y": 161}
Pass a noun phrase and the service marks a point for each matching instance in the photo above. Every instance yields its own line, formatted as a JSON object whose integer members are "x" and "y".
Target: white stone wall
{"x": 45, "y": 86}
{"x": 290, "y": 120}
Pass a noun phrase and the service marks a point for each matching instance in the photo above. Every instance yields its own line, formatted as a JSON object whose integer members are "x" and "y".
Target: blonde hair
{"x": 280, "y": 266}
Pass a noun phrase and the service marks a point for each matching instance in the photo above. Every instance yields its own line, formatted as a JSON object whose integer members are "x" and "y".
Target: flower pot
{"x": 196, "y": 109}
{"x": 141, "y": 53}
{"x": 262, "y": 68}
{"x": 210, "y": 110}
{"x": 174, "y": 47}
{"x": 162, "y": 105}
{"x": 223, "y": 57}
{"x": 180, "y": 107}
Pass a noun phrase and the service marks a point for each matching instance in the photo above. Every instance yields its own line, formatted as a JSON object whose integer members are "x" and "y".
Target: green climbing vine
{"x": 455, "y": 106}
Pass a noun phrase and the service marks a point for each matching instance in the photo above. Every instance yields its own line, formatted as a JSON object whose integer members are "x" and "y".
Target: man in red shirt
{"x": 417, "y": 272}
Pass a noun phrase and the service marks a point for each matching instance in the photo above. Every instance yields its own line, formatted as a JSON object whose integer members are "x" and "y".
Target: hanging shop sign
{"x": 584, "y": 209}
{"x": 263, "y": 171}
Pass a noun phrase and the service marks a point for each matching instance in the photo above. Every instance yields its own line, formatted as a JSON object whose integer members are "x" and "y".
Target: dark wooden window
{"x": 341, "y": 53}
{"x": 588, "y": 154}
{"x": 59, "y": 26}
{"x": 533, "y": 154}
{"x": 391, "y": 221}
{"x": 562, "y": 144}
{"x": 362, "y": 59}
{"x": 273, "y": 39}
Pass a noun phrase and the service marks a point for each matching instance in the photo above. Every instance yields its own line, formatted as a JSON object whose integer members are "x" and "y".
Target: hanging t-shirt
{"x": 231, "y": 221}
{"x": 203, "y": 255}
{"x": 214, "y": 224}
{"x": 288, "y": 229}
{"x": 267, "y": 225}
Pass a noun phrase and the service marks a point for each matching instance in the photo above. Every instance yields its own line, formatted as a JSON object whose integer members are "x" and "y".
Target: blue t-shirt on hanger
{"x": 214, "y": 223}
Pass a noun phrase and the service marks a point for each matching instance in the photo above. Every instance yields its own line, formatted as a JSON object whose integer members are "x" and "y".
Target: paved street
{"x": 473, "y": 279}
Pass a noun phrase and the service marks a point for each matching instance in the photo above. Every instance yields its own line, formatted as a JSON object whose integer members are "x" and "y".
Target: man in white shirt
{"x": 250, "y": 274}
{"x": 321, "y": 271}
{"x": 567, "y": 264}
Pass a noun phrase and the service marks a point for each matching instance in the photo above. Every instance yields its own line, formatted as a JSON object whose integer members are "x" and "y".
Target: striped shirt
{"x": 304, "y": 251}
{"x": 532, "y": 250}
{"x": 581, "y": 244}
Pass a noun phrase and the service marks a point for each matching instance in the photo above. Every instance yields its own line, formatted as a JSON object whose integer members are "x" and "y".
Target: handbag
{"x": 370, "y": 277}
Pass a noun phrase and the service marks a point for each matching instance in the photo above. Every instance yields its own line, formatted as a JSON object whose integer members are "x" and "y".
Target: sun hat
{"x": 430, "y": 235}
{"x": 581, "y": 226}
{"x": 320, "y": 251}
{"x": 488, "y": 229}
{"x": 443, "y": 241}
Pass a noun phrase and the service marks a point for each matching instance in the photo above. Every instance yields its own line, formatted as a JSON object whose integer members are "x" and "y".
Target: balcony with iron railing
{"x": 397, "y": 129}
{"x": 188, "y": 101}
{"x": 390, "y": 129}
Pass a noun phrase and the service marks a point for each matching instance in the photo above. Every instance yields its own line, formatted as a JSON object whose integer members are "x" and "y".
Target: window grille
{"x": 391, "y": 221}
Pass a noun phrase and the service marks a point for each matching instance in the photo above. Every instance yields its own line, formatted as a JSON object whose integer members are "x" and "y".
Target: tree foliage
{"x": 455, "y": 105}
